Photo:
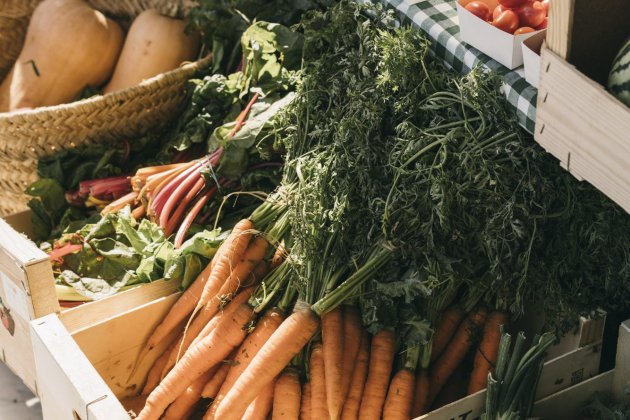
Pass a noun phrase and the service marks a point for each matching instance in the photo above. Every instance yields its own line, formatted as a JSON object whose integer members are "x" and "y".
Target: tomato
{"x": 542, "y": 25}
{"x": 511, "y": 4}
{"x": 531, "y": 14}
{"x": 497, "y": 11}
{"x": 479, "y": 9}
{"x": 545, "y": 4}
{"x": 523, "y": 30}
{"x": 506, "y": 21}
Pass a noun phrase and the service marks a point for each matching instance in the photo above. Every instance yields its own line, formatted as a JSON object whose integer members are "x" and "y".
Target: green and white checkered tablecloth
{"x": 438, "y": 19}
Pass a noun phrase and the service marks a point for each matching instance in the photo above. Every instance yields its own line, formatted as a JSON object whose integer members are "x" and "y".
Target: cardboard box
{"x": 531, "y": 57}
{"x": 505, "y": 48}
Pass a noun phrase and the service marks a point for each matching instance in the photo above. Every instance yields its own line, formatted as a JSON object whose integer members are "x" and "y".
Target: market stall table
{"x": 438, "y": 19}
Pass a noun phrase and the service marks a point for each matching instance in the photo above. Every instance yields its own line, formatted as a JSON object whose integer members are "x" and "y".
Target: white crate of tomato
{"x": 499, "y": 27}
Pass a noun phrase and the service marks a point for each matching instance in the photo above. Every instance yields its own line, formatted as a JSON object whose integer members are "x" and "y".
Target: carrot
{"x": 205, "y": 354}
{"x": 281, "y": 347}
{"x": 455, "y": 352}
{"x": 265, "y": 327}
{"x": 184, "y": 405}
{"x": 211, "y": 388}
{"x": 486, "y": 354}
{"x": 258, "y": 273}
{"x": 352, "y": 332}
{"x": 250, "y": 259}
{"x": 305, "y": 404}
{"x": 380, "y": 369}
{"x": 333, "y": 348}
{"x": 421, "y": 394}
{"x": 399, "y": 399}
{"x": 153, "y": 378}
{"x": 286, "y": 396}
{"x": 446, "y": 327}
{"x": 186, "y": 338}
{"x": 359, "y": 376}
{"x": 453, "y": 390}
{"x": 181, "y": 309}
{"x": 319, "y": 407}
{"x": 259, "y": 408}
{"x": 278, "y": 256}
{"x": 228, "y": 254}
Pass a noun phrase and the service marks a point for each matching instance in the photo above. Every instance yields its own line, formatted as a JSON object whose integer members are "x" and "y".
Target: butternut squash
{"x": 155, "y": 44}
{"x": 68, "y": 46}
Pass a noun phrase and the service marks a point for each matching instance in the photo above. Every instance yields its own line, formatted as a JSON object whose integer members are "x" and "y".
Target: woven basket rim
{"x": 85, "y": 105}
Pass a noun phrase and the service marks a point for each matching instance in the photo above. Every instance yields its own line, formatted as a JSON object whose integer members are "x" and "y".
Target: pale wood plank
{"x": 560, "y": 22}
{"x": 621, "y": 381}
{"x": 567, "y": 404}
{"x": 88, "y": 314}
{"x": 68, "y": 383}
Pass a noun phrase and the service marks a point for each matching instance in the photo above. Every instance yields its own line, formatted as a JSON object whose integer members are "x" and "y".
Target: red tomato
{"x": 523, "y": 30}
{"x": 531, "y": 14}
{"x": 511, "y": 4}
{"x": 507, "y": 21}
{"x": 497, "y": 11}
{"x": 479, "y": 9}
{"x": 542, "y": 25}
{"x": 545, "y": 4}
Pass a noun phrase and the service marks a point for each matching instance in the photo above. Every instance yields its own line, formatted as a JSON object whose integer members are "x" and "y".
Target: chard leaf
{"x": 92, "y": 288}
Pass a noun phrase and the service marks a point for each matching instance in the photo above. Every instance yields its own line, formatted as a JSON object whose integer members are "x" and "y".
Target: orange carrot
{"x": 359, "y": 376}
{"x": 278, "y": 256}
{"x": 352, "y": 332}
{"x": 153, "y": 378}
{"x": 455, "y": 352}
{"x": 188, "y": 337}
{"x": 256, "y": 275}
{"x": 381, "y": 360}
{"x": 205, "y": 354}
{"x": 281, "y": 347}
{"x": 399, "y": 399}
{"x": 421, "y": 394}
{"x": 453, "y": 390}
{"x": 319, "y": 407}
{"x": 486, "y": 354}
{"x": 305, "y": 405}
{"x": 181, "y": 309}
{"x": 211, "y": 388}
{"x": 333, "y": 348}
{"x": 250, "y": 259}
{"x": 259, "y": 408}
{"x": 265, "y": 327}
{"x": 446, "y": 327}
{"x": 229, "y": 254}
{"x": 184, "y": 405}
{"x": 286, "y": 396}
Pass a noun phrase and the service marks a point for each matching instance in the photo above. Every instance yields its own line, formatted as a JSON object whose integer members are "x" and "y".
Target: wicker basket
{"x": 27, "y": 136}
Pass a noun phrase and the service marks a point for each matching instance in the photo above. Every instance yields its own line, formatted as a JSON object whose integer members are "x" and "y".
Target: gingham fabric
{"x": 438, "y": 19}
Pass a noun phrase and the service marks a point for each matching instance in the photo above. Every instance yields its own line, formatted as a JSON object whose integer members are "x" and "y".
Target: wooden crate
{"x": 567, "y": 403}
{"x": 27, "y": 292}
{"x": 577, "y": 120}
{"x": 85, "y": 355}
{"x": 575, "y": 358}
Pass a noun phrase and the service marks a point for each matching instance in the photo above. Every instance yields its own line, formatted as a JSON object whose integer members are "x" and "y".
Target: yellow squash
{"x": 155, "y": 44}
{"x": 68, "y": 46}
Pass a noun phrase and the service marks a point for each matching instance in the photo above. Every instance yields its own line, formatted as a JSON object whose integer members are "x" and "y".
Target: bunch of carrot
{"x": 246, "y": 342}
